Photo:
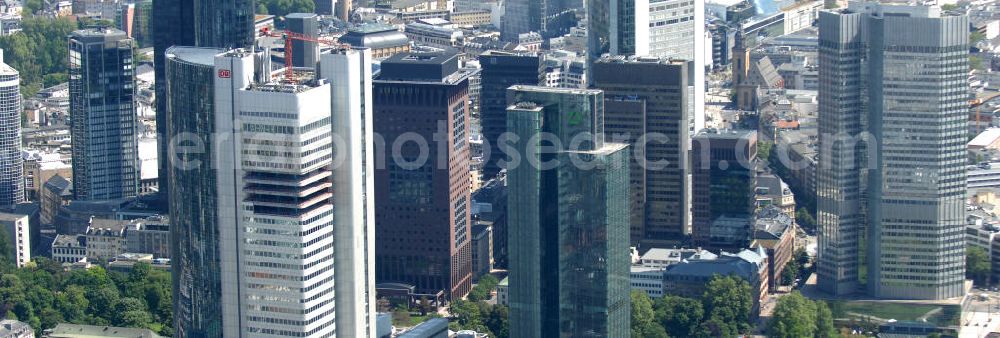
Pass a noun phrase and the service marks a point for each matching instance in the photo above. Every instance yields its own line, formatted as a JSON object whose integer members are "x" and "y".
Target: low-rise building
{"x": 774, "y": 231}
{"x": 772, "y": 190}
{"x": 435, "y": 35}
{"x": 661, "y": 258}
{"x": 690, "y": 277}
{"x": 69, "y": 249}
{"x": 14, "y": 329}
{"x": 384, "y": 40}
{"x": 648, "y": 280}
{"x": 149, "y": 235}
{"x": 105, "y": 240}
{"x": 56, "y": 193}
{"x": 39, "y": 167}
{"x": 482, "y": 250}
{"x": 471, "y": 18}
{"x": 503, "y": 292}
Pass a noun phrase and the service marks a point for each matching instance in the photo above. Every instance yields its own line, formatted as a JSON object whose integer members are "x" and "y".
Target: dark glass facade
{"x": 203, "y": 23}
{"x": 104, "y": 122}
{"x": 500, "y": 71}
{"x": 723, "y": 178}
{"x": 568, "y": 223}
{"x": 193, "y": 201}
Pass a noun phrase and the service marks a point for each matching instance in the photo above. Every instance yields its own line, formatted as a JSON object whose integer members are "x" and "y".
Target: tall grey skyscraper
{"x": 304, "y": 53}
{"x": 892, "y": 98}
{"x": 217, "y": 23}
{"x": 263, "y": 181}
{"x": 103, "y": 116}
{"x": 11, "y": 162}
{"x": 567, "y": 216}
{"x": 645, "y": 102}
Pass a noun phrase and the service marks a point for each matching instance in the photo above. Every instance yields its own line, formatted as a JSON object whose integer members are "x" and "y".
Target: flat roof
{"x": 195, "y": 55}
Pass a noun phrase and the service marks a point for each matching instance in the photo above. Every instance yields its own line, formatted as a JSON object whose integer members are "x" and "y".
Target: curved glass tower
{"x": 194, "y": 233}
{"x": 11, "y": 167}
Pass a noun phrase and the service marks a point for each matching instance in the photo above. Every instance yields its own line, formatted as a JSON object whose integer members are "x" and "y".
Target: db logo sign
{"x": 224, "y": 74}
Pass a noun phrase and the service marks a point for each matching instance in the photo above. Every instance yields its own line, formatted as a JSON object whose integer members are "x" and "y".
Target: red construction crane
{"x": 288, "y": 37}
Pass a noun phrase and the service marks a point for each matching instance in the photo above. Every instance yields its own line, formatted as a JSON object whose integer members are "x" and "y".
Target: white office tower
{"x": 671, "y": 29}
{"x": 11, "y": 167}
{"x": 294, "y": 201}
{"x": 349, "y": 73}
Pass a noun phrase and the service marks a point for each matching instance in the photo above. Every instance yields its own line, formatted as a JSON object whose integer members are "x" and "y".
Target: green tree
{"x": 261, "y": 9}
{"x": 465, "y": 312}
{"x": 643, "y": 319}
{"x": 949, "y": 7}
{"x": 805, "y": 219}
{"x": 284, "y": 7}
{"x": 824, "y": 321}
{"x": 680, "y": 316}
{"x": 497, "y": 321}
{"x": 764, "y": 150}
{"x": 977, "y": 264}
{"x": 794, "y": 317}
{"x": 728, "y": 303}
{"x": 31, "y": 7}
{"x": 484, "y": 288}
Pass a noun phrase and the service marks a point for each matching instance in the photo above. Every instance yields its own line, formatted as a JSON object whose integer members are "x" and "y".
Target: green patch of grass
{"x": 947, "y": 316}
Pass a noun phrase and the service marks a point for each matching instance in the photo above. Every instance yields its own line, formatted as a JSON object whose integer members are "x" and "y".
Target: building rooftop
{"x": 64, "y": 330}
{"x": 10, "y": 217}
{"x": 68, "y": 241}
{"x": 771, "y": 223}
{"x": 985, "y": 138}
{"x": 195, "y": 55}
{"x": 13, "y": 328}
{"x": 98, "y": 35}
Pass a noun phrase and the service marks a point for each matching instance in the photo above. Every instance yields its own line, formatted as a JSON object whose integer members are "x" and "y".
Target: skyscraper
{"x": 645, "y": 102}
{"x": 892, "y": 115}
{"x": 256, "y": 164}
{"x": 723, "y": 183}
{"x": 550, "y": 18}
{"x": 190, "y": 99}
{"x": 672, "y": 29}
{"x": 104, "y": 121}
{"x": 567, "y": 217}
{"x": 422, "y": 216}
{"x": 11, "y": 161}
{"x": 304, "y": 53}
{"x": 219, "y": 23}
{"x": 500, "y": 71}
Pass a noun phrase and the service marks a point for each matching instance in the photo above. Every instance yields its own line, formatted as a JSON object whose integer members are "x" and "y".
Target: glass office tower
{"x": 568, "y": 217}
{"x": 11, "y": 161}
{"x": 104, "y": 121}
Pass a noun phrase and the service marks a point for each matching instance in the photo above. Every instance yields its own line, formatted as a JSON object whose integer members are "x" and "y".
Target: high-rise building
{"x": 11, "y": 160}
{"x": 645, "y": 102}
{"x": 501, "y": 70}
{"x": 343, "y": 10}
{"x": 567, "y": 217}
{"x": 550, "y": 18}
{"x": 672, "y": 29}
{"x": 262, "y": 181}
{"x": 892, "y": 126}
{"x": 325, "y": 7}
{"x": 219, "y": 23}
{"x": 304, "y": 53}
{"x": 195, "y": 257}
{"x": 104, "y": 124}
{"x": 723, "y": 182}
{"x": 423, "y": 203}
